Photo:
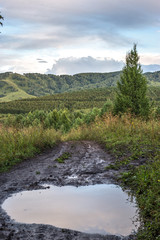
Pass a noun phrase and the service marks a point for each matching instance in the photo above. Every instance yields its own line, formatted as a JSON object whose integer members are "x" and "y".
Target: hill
{"x": 10, "y": 91}
{"x": 84, "y": 99}
{"x": 16, "y": 86}
{"x": 35, "y": 84}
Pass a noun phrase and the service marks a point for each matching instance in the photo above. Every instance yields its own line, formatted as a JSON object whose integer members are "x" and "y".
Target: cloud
{"x": 120, "y": 13}
{"x": 85, "y": 64}
{"x": 42, "y": 61}
{"x": 20, "y": 64}
{"x": 49, "y": 24}
{"x": 48, "y": 28}
{"x": 73, "y": 65}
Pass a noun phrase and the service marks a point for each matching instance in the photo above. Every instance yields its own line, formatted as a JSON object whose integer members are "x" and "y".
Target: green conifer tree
{"x": 132, "y": 87}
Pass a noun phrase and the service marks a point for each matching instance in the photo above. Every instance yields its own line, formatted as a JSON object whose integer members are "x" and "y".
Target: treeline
{"x": 86, "y": 99}
{"x": 37, "y": 84}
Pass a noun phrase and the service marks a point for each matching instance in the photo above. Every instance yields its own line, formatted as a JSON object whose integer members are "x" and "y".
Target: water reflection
{"x": 102, "y": 208}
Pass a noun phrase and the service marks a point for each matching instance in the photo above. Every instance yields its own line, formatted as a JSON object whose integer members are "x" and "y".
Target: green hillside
{"x": 16, "y": 86}
{"x": 84, "y": 99}
{"x": 153, "y": 78}
{"x": 35, "y": 84}
{"x": 10, "y": 91}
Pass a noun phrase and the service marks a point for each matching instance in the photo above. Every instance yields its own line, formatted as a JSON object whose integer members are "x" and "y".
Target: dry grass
{"x": 19, "y": 144}
{"x": 115, "y": 127}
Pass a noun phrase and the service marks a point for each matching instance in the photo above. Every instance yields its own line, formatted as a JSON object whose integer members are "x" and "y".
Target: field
{"x": 84, "y": 99}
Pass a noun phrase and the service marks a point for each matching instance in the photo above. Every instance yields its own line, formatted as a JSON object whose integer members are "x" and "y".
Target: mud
{"x": 85, "y": 166}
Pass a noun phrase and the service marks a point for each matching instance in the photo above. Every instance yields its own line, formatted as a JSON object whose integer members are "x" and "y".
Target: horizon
{"x": 144, "y": 66}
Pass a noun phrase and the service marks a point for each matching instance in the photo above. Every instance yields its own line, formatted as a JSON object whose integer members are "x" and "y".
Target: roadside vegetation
{"x": 18, "y": 144}
{"x": 134, "y": 143}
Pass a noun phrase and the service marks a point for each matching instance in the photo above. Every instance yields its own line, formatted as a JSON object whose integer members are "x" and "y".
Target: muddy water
{"x": 101, "y": 208}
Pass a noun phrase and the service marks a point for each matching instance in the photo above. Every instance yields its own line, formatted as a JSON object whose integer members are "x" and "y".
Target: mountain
{"x": 151, "y": 68}
{"x": 16, "y": 86}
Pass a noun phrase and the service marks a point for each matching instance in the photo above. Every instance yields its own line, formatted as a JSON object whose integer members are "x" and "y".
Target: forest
{"x": 16, "y": 86}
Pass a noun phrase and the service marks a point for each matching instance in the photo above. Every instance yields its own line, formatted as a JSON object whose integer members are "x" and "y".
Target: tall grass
{"x": 112, "y": 129}
{"x": 16, "y": 144}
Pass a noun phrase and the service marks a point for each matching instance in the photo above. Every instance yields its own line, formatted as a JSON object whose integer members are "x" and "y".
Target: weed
{"x": 63, "y": 157}
{"x": 20, "y": 144}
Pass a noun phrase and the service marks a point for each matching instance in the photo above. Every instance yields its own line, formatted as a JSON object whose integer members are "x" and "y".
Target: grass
{"x": 17, "y": 94}
{"x": 134, "y": 143}
{"x": 20, "y": 144}
{"x": 63, "y": 157}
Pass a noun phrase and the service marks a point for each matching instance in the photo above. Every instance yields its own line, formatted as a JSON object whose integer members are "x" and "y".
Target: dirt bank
{"x": 87, "y": 162}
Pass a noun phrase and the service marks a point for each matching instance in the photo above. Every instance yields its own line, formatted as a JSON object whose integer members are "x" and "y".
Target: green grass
{"x": 17, "y": 92}
{"x": 63, "y": 157}
{"x": 17, "y": 145}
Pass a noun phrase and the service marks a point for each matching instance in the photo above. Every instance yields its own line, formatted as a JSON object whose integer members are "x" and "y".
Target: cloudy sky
{"x": 71, "y": 36}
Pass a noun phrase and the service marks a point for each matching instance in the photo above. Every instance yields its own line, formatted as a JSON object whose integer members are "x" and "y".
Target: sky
{"x": 73, "y": 36}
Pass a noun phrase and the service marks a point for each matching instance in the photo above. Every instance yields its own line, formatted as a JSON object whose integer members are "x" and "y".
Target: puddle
{"x": 102, "y": 208}
{"x": 73, "y": 177}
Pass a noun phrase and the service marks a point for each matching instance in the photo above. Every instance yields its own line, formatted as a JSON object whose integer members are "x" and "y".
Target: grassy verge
{"x": 21, "y": 144}
{"x": 134, "y": 143}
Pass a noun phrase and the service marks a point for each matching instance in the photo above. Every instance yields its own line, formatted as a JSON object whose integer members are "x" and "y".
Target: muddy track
{"x": 86, "y": 166}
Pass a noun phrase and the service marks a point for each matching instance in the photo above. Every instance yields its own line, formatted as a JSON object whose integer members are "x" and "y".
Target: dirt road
{"x": 87, "y": 162}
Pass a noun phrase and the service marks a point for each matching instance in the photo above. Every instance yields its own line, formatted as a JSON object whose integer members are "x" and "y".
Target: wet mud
{"x": 85, "y": 166}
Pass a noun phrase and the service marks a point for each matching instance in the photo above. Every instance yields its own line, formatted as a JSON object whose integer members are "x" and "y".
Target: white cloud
{"x": 22, "y": 64}
{"x": 85, "y": 64}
